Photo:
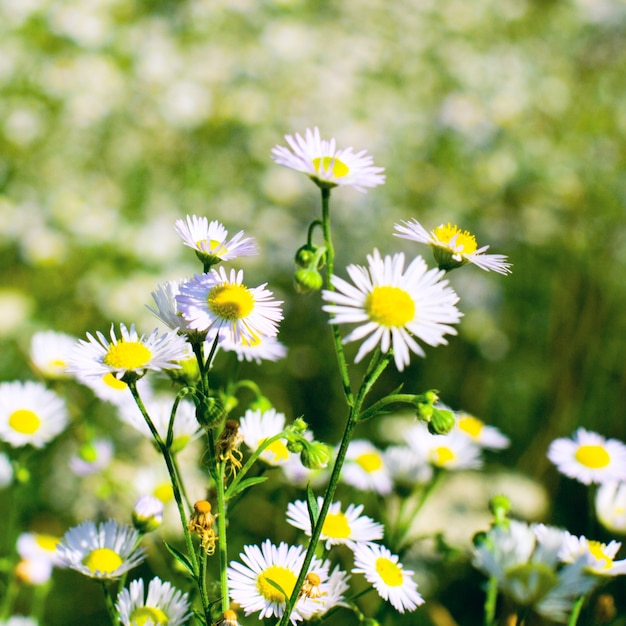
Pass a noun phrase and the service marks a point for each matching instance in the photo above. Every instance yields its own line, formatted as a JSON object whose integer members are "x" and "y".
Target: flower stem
{"x": 578, "y": 605}
{"x": 221, "y": 535}
{"x": 108, "y": 600}
{"x": 490, "y": 601}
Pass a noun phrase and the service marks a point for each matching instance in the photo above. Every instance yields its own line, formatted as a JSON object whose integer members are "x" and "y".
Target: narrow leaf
{"x": 244, "y": 484}
{"x": 181, "y": 558}
{"x": 311, "y": 505}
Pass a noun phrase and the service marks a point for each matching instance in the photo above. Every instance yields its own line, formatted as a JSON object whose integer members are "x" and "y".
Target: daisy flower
{"x": 130, "y": 353}
{"x": 483, "y": 435}
{"x": 167, "y": 307}
{"x": 365, "y": 468}
{"x": 589, "y": 458}
{"x": 49, "y": 351}
{"x": 30, "y": 414}
{"x": 453, "y": 247}
{"x": 209, "y": 240}
{"x": 394, "y": 306}
{"x": 218, "y": 301}
{"x": 257, "y": 426}
{"x": 382, "y": 569}
{"x": 250, "y": 587}
{"x": 406, "y": 468}
{"x": 256, "y": 349}
{"x": 36, "y": 571}
{"x": 325, "y": 165}
{"x": 164, "y": 604}
{"x": 103, "y": 551}
{"x": 39, "y": 546}
{"x": 348, "y": 528}
{"x": 597, "y": 557}
{"x": 610, "y": 506}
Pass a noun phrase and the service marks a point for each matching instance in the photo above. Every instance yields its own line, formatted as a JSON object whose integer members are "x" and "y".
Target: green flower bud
{"x": 500, "y": 506}
{"x": 441, "y": 422}
{"x": 307, "y": 280}
{"x": 445, "y": 259}
{"x": 305, "y": 255}
{"x": 210, "y": 413}
{"x": 315, "y": 455}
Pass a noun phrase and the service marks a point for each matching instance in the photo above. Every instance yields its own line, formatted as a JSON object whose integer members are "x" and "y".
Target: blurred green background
{"x": 506, "y": 117}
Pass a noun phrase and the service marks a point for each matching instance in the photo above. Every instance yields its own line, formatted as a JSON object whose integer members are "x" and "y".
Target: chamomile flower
{"x": 218, "y": 302}
{"x": 325, "y": 165}
{"x": 30, "y": 414}
{"x": 394, "y": 306}
{"x": 347, "y": 527}
{"x": 589, "y": 457}
{"x": 103, "y": 551}
{"x": 164, "y": 604}
{"x": 257, "y": 426}
{"x": 484, "y": 436}
{"x": 130, "y": 353}
{"x": 39, "y": 546}
{"x": 453, "y": 247}
{"x": 49, "y": 351}
{"x": 610, "y": 506}
{"x": 209, "y": 240}
{"x": 383, "y": 569}
{"x": 597, "y": 557}
{"x": 257, "y": 349}
{"x": 365, "y": 468}
{"x": 406, "y": 468}
{"x": 250, "y": 587}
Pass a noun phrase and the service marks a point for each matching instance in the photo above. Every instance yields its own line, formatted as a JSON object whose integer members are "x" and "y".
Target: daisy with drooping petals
{"x": 30, "y": 414}
{"x": 394, "y": 306}
{"x": 49, "y": 351}
{"x": 325, "y": 165}
{"x": 208, "y": 239}
{"x": 589, "y": 457}
{"x": 453, "y": 247}
{"x": 218, "y": 302}
{"x": 365, "y": 468}
{"x": 257, "y": 426}
{"x": 130, "y": 353}
{"x": 481, "y": 434}
{"x": 348, "y": 528}
{"x": 250, "y": 587}
{"x": 598, "y": 557}
{"x": 164, "y": 604}
{"x": 610, "y": 506}
{"x": 382, "y": 569}
{"x": 104, "y": 551}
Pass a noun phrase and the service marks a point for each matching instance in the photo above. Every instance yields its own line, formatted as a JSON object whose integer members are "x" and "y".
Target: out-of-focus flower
{"x": 393, "y": 307}
{"x": 164, "y": 604}
{"x": 384, "y": 571}
{"x": 130, "y": 354}
{"x": 30, "y": 414}
{"x": 147, "y": 514}
{"x": 19, "y": 620}
{"x": 208, "y": 239}
{"x": 110, "y": 389}
{"x": 6, "y": 471}
{"x": 598, "y": 557}
{"x": 589, "y": 457}
{"x": 611, "y": 506}
{"x": 218, "y": 302}
{"x": 347, "y": 528}
{"x": 481, "y": 434}
{"x": 39, "y": 546}
{"x": 104, "y": 551}
{"x": 257, "y": 349}
{"x": 365, "y": 468}
{"x": 49, "y": 351}
{"x": 257, "y": 426}
{"x": 92, "y": 457}
{"x": 325, "y": 165}
{"x": 453, "y": 247}
{"x": 35, "y": 571}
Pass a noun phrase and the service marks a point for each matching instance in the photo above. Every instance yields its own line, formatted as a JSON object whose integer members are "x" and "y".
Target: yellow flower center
{"x": 471, "y": 425}
{"x": 336, "y": 526}
{"x": 597, "y": 550}
{"x": 370, "y": 461}
{"x": 442, "y": 456}
{"x": 592, "y": 456}
{"x": 103, "y": 560}
{"x": 460, "y": 240}
{"x": 231, "y": 302}
{"x": 47, "y": 542}
{"x": 390, "y": 306}
{"x": 115, "y": 383}
{"x": 164, "y": 492}
{"x": 329, "y": 164}
{"x": 390, "y": 572}
{"x": 57, "y": 364}
{"x": 279, "y": 575}
{"x": 278, "y": 449}
{"x": 24, "y": 421}
{"x": 143, "y": 615}
{"x": 127, "y": 355}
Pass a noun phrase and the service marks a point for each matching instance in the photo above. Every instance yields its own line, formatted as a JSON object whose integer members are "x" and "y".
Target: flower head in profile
{"x": 30, "y": 414}
{"x": 589, "y": 458}
{"x": 250, "y": 586}
{"x": 384, "y": 571}
{"x": 347, "y": 527}
{"x": 218, "y": 302}
{"x": 610, "y": 506}
{"x": 105, "y": 551}
{"x": 325, "y": 165}
{"x": 130, "y": 354}
{"x": 164, "y": 604}
{"x": 49, "y": 351}
{"x": 453, "y": 247}
{"x": 394, "y": 306}
{"x": 210, "y": 240}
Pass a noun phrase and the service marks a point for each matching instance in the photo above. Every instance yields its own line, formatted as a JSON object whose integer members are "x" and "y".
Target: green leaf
{"x": 181, "y": 558}
{"x": 244, "y": 484}
{"x": 311, "y": 505}
{"x": 277, "y": 586}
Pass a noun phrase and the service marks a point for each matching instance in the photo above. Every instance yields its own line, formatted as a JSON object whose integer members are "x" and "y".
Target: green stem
{"x": 379, "y": 405}
{"x": 108, "y": 600}
{"x": 221, "y": 534}
{"x": 578, "y": 605}
{"x": 490, "y": 601}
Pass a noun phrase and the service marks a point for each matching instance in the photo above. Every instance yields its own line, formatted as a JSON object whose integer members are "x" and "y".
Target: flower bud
{"x": 441, "y": 421}
{"x": 210, "y": 413}
{"x": 307, "y": 280}
{"x": 305, "y": 255}
{"x": 315, "y": 455}
{"x": 500, "y": 506}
